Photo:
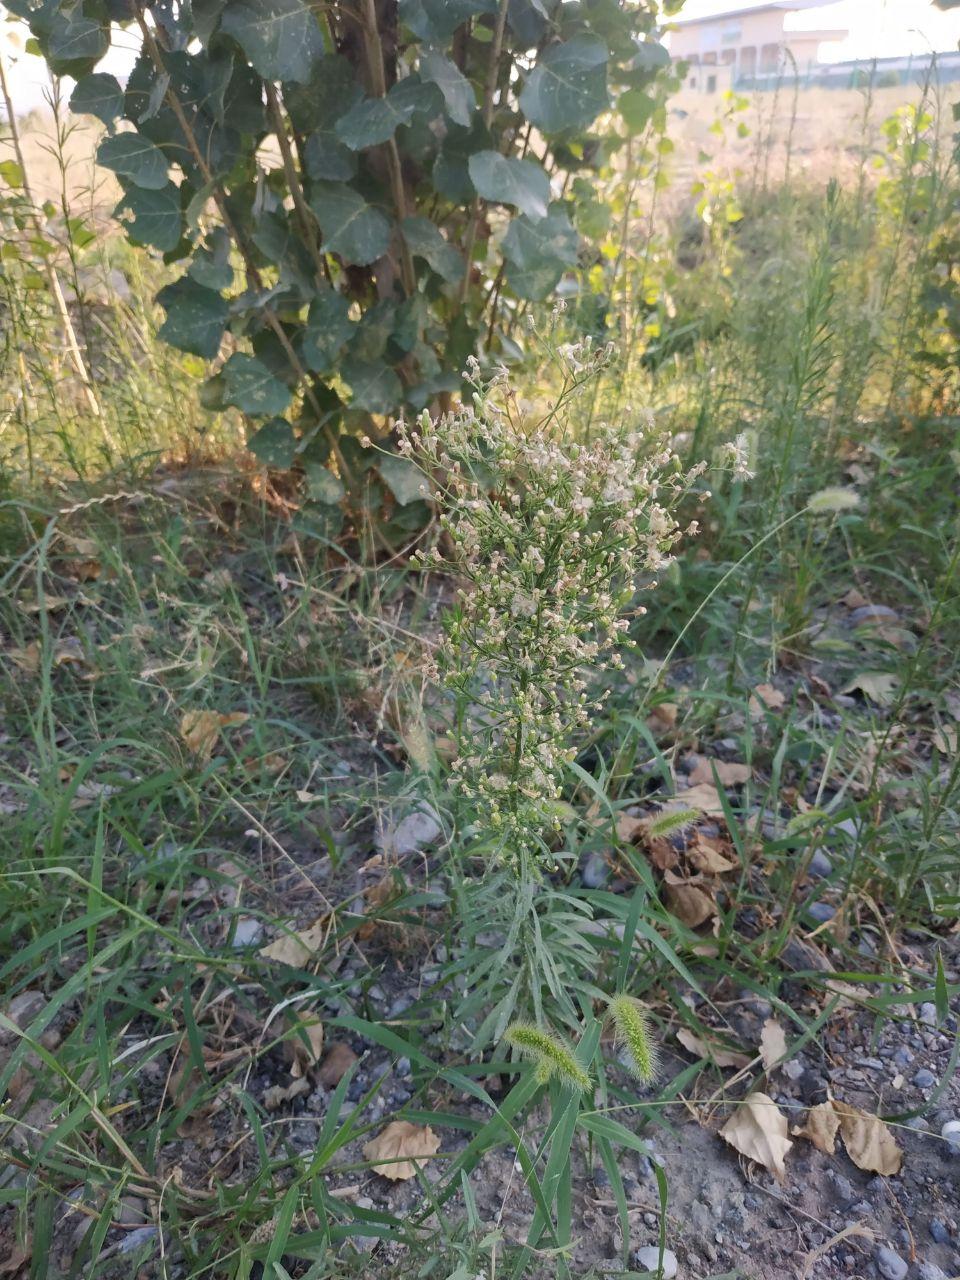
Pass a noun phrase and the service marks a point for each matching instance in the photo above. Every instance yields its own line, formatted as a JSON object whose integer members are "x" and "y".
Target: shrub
{"x": 355, "y": 191}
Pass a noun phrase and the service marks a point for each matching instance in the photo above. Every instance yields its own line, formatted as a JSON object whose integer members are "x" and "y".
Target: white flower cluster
{"x": 551, "y": 539}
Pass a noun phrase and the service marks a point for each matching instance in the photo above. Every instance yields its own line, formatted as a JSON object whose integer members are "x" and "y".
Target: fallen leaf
{"x": 663, "y": 719}
{"x": 707, "y": 858}
{"x": 704, "y": 796}
{"x": 854, "y": 599}
{"x": 870, "y": 1144}
{"x": 49, "y": 604}
{"x": 201, "y": 729}
{"x": 758, "y": 1130}
{"x": 729, "y": 773}
{"x": 765, "y": 696}
{"x": 628, "y": 828}
{"x": 691, "y": 904}
{"x": 773, "y": 1044}
{"x": 820, "y": 1128}
{"x": 27, "y": 658}
{"x": 305, "y": 1045}
{"x": 298, "y": 949}
{"x": 278, "y": 1094}
{"x": 945, "y": 739}
{"x": 878, "y": 686}
{"x": 399, "y": 1151}
{"x": 336, "y": 1064}
{"x": 717, "y": 1054}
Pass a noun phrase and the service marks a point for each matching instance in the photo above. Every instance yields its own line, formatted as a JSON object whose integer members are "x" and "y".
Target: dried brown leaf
{"x": 399, "y": 1151}
{"x": 729, "y": 772}
{"x": 336, "y": 1064}
{"x": 201, "y": 729}
{"x": 870, "y": 1144}
{"x": 662, "y": 720}
{"x": 758, "y": 1130}
{"x": 298, "y": 949}
{"x": 278, "y": 1094}
{"x": 704, "y": 796}
{"x": 691, "y": 902}
{"x": 706, "y": 857}
{"x": 717, "y": 1054}
{"x": 305, "y": 1045}
{"x": 773, "y": 1044}
{"x": 765, "y": 697}
{"x": 820, "y": 1128}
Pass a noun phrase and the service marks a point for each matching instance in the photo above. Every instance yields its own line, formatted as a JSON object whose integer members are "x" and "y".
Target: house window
{"x": 692, "y": 82}
{"x": 728, "y": 57}
{"x": 711, "y": 84}
{"x": 769, "y": 58}
{"x": 709, "y": 59}
{"x": 748, "y": 61}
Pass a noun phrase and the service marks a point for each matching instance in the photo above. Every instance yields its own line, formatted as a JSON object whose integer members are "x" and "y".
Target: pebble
{"x": 903, "y": 1057}
{"x": 924, "y": 1079}
{"x": 938, "y": 1231}
{"x": 928, "y": 1013}
{"x": 843, "y": 1187}
{"x": 793, "y": 1069}
{"x": 648, "y": 1259}
{"x": 412, "y": 833}
{"x": 134, "y": 1239}
{"x": 600, "y": 1178}
{"x": 950, "y": 1132}
{"x": 890, "y": 1265}
{"x": 248, "y": 932}
{"x": 595, "y": 871}
{"x": 403, "y": 1068}
{"x": 930, "y": 1271}
{"x": 822, "y": 912}
{"x": 820, "y": 866}
{"x": 873, "y": 613}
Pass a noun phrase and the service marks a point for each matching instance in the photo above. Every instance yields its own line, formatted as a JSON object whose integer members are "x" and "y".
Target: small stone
{"x": 412, "y": 833}
{"x": 403, "y": 1068}
{"x": 600, "y": 1178}
{"x": 890, "y": 1265}
{"x": 938, "y": 1231}
{"x": 930, "y": 1271}
{"x": 248, "y": 932}
{"x": 648, "y": 1259}
{"x": 133, "y": 1240}
{"x": 843, "y": 1187}
{"x": 924, "y": 1079}
{"x": 793, "y": 1069}
{"x": 950, "y": 1132}
{"x": 822, "y": 912}
{"x": 903, "y": 1057}
{"x": 873, "y": 613}
{"x": 131, "y": 1211}
{"x": 820, "y": 866}
{"x": 595, "y": 871}
{"x": 928, "y": 1013}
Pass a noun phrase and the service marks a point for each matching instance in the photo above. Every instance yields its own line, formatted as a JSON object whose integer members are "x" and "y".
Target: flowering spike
{"x": 630, "y": 1023}
{"x": 551, "y": 1055}
{"x": 668, "y": 823}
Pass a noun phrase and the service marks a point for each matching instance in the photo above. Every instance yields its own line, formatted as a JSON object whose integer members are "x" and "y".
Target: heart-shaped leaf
{"x": 567, "y": 89}
{"x": 508, "y": 180}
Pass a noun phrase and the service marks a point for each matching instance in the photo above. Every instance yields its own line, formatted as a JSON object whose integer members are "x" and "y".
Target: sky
{"x": 878, "y": 29}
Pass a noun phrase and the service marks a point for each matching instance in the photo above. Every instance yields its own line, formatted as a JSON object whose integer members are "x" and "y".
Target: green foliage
{"x": 352, "y": 190}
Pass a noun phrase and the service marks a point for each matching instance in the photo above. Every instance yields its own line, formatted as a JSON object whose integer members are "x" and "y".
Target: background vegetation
{"x": 226, "y": 812}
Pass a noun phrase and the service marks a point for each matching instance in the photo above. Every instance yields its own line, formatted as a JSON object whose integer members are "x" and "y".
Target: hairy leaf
{"x": 196, "y": 317}
{"x": 567, "y": 89}
{"x": 133, "y": 156}
{"x": 508, "y": 180}
{"x": 252, "y": 387}
{"x": 282, "y": 38}
{"x": 355, "y": 230}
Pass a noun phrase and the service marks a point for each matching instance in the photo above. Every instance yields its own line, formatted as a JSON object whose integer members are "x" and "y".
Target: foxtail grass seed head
{"x": 550, "y": 539}
{"x": 552, "y": 1058}
{"x": 632, "y": 1031}
{"x": 668, "y": 824}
